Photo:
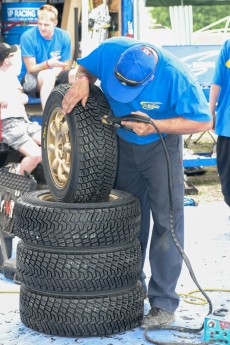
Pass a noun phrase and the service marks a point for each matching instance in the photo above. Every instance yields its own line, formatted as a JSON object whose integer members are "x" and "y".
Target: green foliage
{"x": 160, "y": 15}
{"x": 205, "y": 15}
{"x": 202, "y": 15}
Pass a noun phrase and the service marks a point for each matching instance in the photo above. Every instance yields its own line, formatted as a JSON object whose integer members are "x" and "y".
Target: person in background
{"x": 220, "y": 110}
{"x": 139, "y": 78}
{"x": 46, "y": 55}
{"x": 17, "y": 131}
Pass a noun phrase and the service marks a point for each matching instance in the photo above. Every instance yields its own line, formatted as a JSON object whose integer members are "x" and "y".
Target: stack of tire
{"x": 79, "y": 258}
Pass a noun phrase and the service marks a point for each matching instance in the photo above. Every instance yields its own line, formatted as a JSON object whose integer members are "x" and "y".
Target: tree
{"x": 202, "y": 15}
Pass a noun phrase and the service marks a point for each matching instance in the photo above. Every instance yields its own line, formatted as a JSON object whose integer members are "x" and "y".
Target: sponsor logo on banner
{"x": 17, "y": 14}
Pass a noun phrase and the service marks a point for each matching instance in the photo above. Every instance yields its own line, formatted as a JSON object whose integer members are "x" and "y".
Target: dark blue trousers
{"x": 142, "y": 171}
{"x": 223, "y": 165}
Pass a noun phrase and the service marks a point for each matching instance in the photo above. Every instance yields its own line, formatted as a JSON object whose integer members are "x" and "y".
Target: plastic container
{"x": 18, "y": 17}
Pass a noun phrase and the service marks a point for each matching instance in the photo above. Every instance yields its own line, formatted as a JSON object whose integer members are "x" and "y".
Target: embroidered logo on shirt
{"x": 150, "y": 105}
{"x": 227, "y": 64}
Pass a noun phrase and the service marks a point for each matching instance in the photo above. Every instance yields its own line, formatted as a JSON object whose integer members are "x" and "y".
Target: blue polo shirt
{"x": 173, "y": 92}
{"x": 34, "y": 45}
{"x": 222, "y": 78}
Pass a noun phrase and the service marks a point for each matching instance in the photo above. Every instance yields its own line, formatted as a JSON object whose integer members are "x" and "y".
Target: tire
{"x": 82, "y": 316}
{"x": 79, "y": 153}
{"x": 79, "y": 271}
{"x": 39, "y": 220}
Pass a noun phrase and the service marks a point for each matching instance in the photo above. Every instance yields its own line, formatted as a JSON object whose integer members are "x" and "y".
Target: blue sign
{"x": 201, "y": 59}
{"x": 18, "y": 17}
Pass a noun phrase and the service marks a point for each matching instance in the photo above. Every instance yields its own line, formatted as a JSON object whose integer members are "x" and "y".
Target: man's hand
{"x": 24, "y": 98}
{"x": 140, "y": 128}
{"x": 3, "y": 104}
{"x": 79, "y": 91}
{"x": 54, "y": 62}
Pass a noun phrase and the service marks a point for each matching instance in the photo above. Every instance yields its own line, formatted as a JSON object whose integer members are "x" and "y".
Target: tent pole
{"x": 84, "y": 27}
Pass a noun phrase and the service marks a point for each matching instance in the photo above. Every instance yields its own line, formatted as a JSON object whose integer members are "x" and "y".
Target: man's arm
{"x": 79, "y": 90}
{"x": 32, "y": 66}
{"x": 214, "y": 94}
{"x": 24, "y": 97}
{"x": 177, "y": 125}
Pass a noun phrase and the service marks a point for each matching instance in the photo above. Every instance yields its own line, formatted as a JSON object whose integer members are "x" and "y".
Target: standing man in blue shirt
{"x": 46, "y": 55}
{"x": 139, "y": 78}
{"x": 220, "y": 110}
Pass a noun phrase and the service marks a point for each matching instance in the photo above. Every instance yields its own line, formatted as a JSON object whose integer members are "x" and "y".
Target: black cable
{"x": 116, "y": 122}
{"x": 184, "y": 256}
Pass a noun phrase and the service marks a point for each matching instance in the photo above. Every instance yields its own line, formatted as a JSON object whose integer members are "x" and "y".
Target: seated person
{"x": 46, "y": 55}
{"x": 17, "y": 131}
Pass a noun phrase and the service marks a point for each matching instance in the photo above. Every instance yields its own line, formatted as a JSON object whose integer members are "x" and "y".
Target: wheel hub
{"x": 59, "y": 148}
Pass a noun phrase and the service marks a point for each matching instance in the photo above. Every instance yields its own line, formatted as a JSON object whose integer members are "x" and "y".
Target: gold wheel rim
{"x": 59, "y": 148}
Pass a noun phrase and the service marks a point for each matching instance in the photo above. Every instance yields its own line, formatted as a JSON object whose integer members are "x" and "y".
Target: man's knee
{"x": 36, "y": 159}
{"x": 45, "y": 76}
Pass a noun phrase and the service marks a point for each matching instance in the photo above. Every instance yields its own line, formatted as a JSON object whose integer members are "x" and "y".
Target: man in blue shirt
{"x": 142, "y": 79}
{"x": 220, "y": 110}
{"x": 46, "y": 54}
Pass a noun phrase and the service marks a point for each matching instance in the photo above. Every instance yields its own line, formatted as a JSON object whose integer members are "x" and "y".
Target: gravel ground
{"x": 208, "y": 183}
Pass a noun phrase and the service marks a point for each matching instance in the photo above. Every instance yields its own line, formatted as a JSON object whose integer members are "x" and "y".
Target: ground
{"x": 207, "y": 240}
{"x": 206, "y": 245}
{"x": 208, "y": 184}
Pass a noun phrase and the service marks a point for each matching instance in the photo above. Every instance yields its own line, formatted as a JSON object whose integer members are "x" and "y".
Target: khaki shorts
{"x": 17, "y": 131}
{"x": 29, "y": 82}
